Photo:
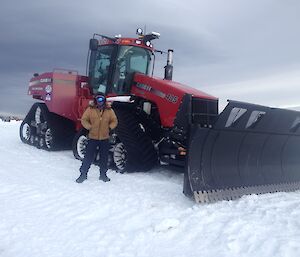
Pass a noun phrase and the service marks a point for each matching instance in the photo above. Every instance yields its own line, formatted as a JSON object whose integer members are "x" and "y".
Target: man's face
{"x": 100, "y": 102}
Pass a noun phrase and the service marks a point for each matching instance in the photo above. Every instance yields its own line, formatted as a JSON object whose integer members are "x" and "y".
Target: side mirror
{"x": 93, "y": 44}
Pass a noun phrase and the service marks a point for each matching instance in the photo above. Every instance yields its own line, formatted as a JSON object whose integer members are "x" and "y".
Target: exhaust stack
{"x": 169, "y": 66}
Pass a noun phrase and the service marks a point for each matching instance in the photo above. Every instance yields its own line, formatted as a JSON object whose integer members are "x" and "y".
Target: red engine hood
{"x": 172, "y": 86}
{"x": 167, "y": 95}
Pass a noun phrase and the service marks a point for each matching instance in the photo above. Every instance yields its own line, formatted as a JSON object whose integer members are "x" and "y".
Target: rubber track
{"x": 28, "y": 118}
{"x": 140, "y": 150}
{"x": 62, "y": 129}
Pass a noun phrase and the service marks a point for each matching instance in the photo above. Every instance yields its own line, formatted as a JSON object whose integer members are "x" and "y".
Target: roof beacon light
{"x": 139, "y": 31}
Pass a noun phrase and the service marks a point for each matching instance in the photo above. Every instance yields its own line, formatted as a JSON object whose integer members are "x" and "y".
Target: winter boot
{"x": 103, "y": 177}
{"x": 81, "y": 178}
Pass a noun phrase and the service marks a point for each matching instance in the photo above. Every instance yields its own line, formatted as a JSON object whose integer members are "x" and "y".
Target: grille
{"x": 204, "y": 111}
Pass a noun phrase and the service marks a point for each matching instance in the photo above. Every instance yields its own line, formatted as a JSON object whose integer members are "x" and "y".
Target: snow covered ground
{"x": 44, "y": 213}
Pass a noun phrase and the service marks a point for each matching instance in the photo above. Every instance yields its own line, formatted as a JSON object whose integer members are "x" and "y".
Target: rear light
{"x": 126, "y": 41}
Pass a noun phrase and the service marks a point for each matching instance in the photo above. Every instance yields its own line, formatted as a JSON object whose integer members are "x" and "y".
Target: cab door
{"x": 101, "y": 68}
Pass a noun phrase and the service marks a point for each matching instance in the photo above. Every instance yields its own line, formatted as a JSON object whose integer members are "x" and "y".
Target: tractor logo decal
{"x": 143, "y": 86}
{"x": 169, "y": 97}
{"x": 44, "y": 80}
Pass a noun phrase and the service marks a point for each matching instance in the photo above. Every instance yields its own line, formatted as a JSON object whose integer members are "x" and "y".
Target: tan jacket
{"x": 98, "y": 122}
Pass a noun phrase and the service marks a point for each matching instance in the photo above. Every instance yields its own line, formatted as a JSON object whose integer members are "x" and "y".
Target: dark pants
{"x": 91, "y": 151}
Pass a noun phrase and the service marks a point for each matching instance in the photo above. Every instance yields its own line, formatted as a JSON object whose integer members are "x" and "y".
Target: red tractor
{"x": 161, "y": 121}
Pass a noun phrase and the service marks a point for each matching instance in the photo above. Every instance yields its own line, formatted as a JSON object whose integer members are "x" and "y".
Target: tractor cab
{"x": 113, "y": 62}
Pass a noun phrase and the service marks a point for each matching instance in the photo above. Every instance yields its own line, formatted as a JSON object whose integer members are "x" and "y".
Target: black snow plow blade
{"x": 251, "y": 149}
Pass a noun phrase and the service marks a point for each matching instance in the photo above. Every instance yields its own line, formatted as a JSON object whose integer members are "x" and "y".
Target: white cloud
{"x": 277, "y": 90}
{"x": 216, "y": 42}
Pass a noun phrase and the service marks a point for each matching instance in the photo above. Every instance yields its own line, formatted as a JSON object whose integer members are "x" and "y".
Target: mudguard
{"x": 251, "y": 149}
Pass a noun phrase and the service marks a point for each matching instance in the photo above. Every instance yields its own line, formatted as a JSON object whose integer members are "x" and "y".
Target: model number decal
{"x": 143, "y": 86}
{"x": 169, "y": 97}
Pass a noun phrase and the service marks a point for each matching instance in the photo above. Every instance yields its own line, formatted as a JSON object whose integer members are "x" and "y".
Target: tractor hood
{"x": 168, "y": 96}
{"x": 163, "y": 86}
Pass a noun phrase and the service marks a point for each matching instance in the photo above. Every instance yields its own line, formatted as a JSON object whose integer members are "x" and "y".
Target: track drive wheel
{"x": 25, "y": 132}
{"x": 79, "y": 144}
{"x": 135, "y": 151}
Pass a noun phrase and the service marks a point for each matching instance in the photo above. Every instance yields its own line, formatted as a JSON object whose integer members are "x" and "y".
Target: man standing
{"x": 99, "y": 120}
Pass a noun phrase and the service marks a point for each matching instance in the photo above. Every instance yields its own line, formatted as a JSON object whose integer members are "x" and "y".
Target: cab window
{"x": 100, "y": 67}
{"x": 130, "y": 59}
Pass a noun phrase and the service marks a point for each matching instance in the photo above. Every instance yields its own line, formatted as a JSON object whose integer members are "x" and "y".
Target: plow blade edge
{"x": 251, "y": 149}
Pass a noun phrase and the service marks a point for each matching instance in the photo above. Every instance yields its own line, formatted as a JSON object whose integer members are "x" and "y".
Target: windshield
{"x": 130, "y": 59}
